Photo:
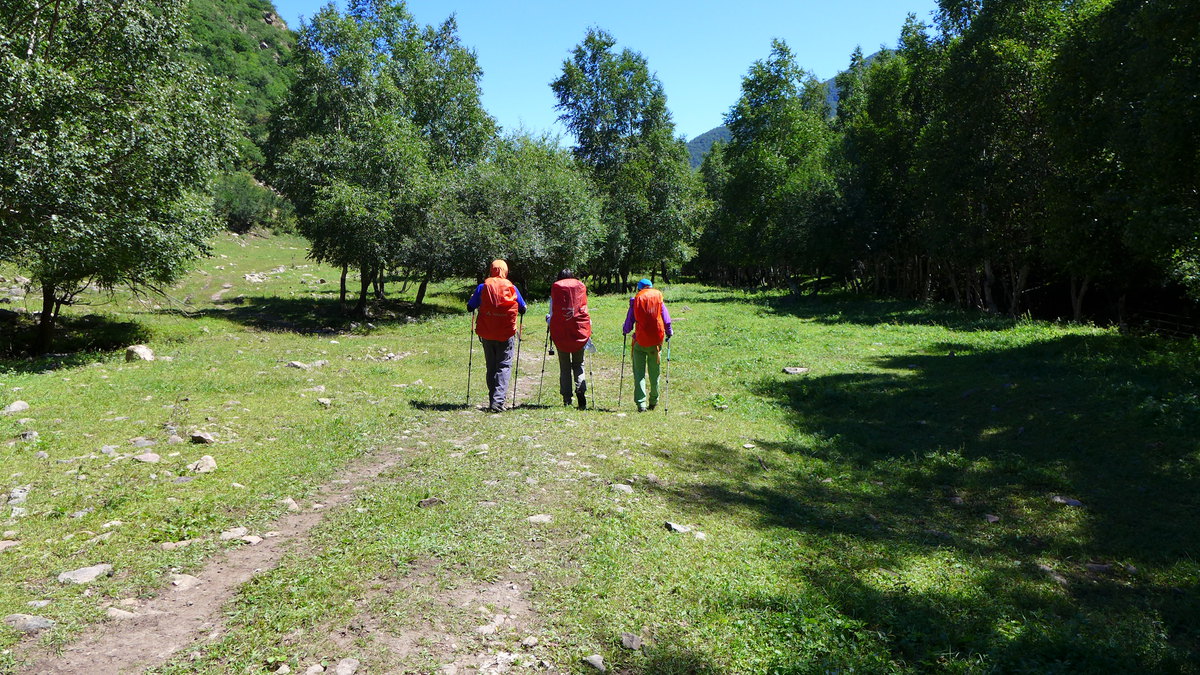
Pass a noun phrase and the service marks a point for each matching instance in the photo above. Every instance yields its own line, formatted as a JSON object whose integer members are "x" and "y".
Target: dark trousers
{"x": 570, "y": 374}
{"x": 498, "y": 355}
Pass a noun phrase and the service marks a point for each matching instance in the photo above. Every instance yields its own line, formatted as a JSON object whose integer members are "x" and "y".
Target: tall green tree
{"x": 617, "y": 111}
{"x": 107, "y": 142}
{"x": 382, "y": 111}
{"x": 780, "y": 188}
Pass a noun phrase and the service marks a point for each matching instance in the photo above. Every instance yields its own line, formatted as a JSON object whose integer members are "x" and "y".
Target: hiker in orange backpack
{"x": 648, "y": 313}
{"x": 570, "y": 329}
{"x": 499, "y": 302}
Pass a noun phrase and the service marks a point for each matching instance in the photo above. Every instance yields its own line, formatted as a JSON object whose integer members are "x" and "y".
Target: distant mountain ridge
{"x": 699, "y": 146}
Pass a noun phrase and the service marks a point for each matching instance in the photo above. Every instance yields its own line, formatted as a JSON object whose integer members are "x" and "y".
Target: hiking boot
{"x": 641, "y": 408}
{"x": 566, "y": 400}
{"x": 582, "y": 401}
{"x": 652, "y": 406}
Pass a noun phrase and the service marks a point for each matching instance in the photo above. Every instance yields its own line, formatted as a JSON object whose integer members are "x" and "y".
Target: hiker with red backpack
{"x": 650, "y": 322}
{"x": 570, "y": 328}
{"x": 499, "y": 303}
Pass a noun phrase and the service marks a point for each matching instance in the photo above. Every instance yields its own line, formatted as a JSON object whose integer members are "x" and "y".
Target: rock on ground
{"x": 27, "y": 623}
{"x": 148, "y": 457}
{"x": 596, "y": 661}
{"x": 631, "y": 641}
{"x": 205, "y": 464}
{"x": 85, "y": 575}
{"x": 676, "y": 527}
{"x": 15, "y": 407}
{"x": 202, "y": 437}
{"x": 540, "y": 518}
{"x": 139, "y": 353}
{"x": 347, "y": 667}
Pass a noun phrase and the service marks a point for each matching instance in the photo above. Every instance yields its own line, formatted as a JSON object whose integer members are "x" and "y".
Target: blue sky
{"x": 699, "y": 49}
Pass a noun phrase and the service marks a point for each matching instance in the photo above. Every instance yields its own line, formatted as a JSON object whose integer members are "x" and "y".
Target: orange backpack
{"x": 647, "y": 314}
{"x": 497, "y": 310}
{"x": 570, "y": 324}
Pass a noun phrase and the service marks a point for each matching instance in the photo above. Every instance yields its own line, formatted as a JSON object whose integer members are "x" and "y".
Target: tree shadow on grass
{"x": 845, "y": 307}
{"x": 313, "y": 316}
{"x": 78, "y": 341}
{"x": 894, "y": 473}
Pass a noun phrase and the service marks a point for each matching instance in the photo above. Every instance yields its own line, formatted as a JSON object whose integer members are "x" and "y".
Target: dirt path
{"x": 191, "y": 611}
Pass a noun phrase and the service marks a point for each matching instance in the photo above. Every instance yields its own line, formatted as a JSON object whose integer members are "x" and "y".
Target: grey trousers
{"x": 498, "y": 355}
{"x": 570, "y": 374}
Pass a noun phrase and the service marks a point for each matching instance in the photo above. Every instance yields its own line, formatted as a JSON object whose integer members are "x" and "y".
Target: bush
{"x": 244, "y": 204}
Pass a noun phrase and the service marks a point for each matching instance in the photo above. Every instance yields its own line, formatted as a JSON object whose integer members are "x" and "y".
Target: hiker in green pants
{"x": 650, "y": 322}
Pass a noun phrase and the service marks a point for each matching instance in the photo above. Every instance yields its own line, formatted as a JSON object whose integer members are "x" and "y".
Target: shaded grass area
{"x": 853, "y": 536}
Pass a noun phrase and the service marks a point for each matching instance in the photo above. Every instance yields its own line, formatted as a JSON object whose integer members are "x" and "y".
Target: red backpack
{"x": 497, "y": 310}
{"x": 570, "y": 324}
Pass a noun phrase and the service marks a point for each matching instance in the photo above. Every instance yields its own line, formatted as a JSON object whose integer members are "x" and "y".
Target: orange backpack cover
{"x": 647, "y": 313}
{"x": 497, "y": 305}
{"x": 570, "y": 324}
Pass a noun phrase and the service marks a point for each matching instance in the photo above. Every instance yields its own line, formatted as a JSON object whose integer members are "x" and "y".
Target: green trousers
{"x": 643, "y": 357}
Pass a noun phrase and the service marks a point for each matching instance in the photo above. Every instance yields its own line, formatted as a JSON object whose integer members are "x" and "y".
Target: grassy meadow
{"x": 891, "y": 510}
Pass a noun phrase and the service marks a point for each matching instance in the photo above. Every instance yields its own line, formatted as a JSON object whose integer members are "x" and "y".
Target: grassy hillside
{"x": 246, "y": 43}
{"x": 893, "y": 509}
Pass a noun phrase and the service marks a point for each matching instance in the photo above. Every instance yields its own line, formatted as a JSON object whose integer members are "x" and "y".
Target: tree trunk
{"x": 421, "y": 289}
{"x": 1078, "y": 289}
{"x": 989, "y": 278}
{"x": 342, "y": 289}
{"x": 666, "y": 279}
{"x": 45, "y": 332}
{"x": 367, "y": 276}
{"x": 1018, "y": 288}
{"x": 379, "y": 289}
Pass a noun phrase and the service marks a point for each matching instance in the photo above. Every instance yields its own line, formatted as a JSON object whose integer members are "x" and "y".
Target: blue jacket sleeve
{"x": 520, "y": 300}
{"x": 473, "y": 303}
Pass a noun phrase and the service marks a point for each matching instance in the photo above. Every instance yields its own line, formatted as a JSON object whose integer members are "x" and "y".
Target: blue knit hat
{"x": 645, "y": 283}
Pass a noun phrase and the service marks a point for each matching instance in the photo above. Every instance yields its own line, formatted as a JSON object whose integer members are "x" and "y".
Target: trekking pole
{"x": 542, "y": 377}
{"x": 621, "y": 386}
{"x": 517, "y": 365}
{"x": 470, "y": 356}
{"x": 667, "y": 375}
{"x": 591, "y": 360}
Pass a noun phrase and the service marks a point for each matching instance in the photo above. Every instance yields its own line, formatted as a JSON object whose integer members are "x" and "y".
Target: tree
{"x": 780, "y": 188}
{"x": 617, "y": 111}
{"x": 107, "y": 143}
{"x": 381, "y": 112}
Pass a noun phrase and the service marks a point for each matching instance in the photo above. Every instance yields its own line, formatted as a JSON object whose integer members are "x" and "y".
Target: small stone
{"x": 1058, "y": 499}
{"x": 700, "y": 535}
{"x": 139, "y": 353}
{"x": 148, "y": 458}
{"x": 315, "y": 669}
{"x": 26, "y": 623}
{"x": 283, "y": 669}
{"x": 956, "y": 500}
{"x": 7, "y": 544}
{"x": 15, "y": 407}
{"x": 540, "y": 518}
{"x": 290, "y": 504}
{"x": 795, "y": 370}
{"x": 251, "y": 539}
{"x": 631, "y": 641}
{"x": 173, "y": 545}
{"x": 676, "y": 527}
{"x": 748, "y": 446}
{"x": 109, "y": 450}
{"x": 38, "y": 604}
{"x": 1099, "y": 568}
{"x": 184, "y": 582}
{"x": 1049, "y": 571}
{"x": 29, "y": 435}
{"x": 201, "y": 437}
{"x": 346, "y": 667}
{"x": 183, "y": 479}
{"x": 42, "y": 454}
{"x": 18, "y": 495}
{"x": 119, "y": 614}
{"x": 327, "y": 402}
{"x": 235, "y": 533}
{"x": 298, "y": 364}
{"x": 205, "y": 464}
{"x": 430, "y": 501}
{"x": 992, "y": 519}
{"x": 621, "y": 487}
{"x": 596, "y": 661}
{"x": 175, "y": 439}
{"x": 530, "y": 641}
{"x": 85, "y": 575}
{"x": 143, "y": 442}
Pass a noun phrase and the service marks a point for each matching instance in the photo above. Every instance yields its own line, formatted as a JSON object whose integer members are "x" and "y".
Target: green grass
{"x": 851, "y": 537}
